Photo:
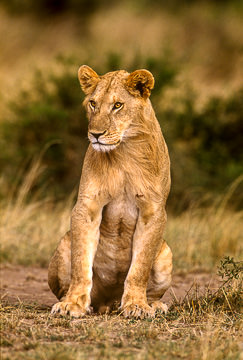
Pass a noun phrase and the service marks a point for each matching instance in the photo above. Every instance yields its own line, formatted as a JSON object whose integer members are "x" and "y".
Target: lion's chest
{"x": 114, "y": 252}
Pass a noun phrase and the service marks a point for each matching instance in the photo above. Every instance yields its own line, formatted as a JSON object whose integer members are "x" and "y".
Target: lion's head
{"x": 112, "y": 103}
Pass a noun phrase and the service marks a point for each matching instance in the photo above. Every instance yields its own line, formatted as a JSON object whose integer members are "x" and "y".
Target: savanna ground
{"x": 195, "y": 53}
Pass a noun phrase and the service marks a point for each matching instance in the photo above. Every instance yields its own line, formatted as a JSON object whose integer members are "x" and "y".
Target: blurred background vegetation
{"x": 195, "y": 51}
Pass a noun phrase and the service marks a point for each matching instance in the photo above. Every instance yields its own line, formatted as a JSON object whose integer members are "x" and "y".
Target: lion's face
{"x": 109, "y": 113}
{"x": 112, "y": 102}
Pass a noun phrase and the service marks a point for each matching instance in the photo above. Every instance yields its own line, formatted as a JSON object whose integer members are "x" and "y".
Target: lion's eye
{"x": 92, "y": 104}
{"x": 117, "y": 105}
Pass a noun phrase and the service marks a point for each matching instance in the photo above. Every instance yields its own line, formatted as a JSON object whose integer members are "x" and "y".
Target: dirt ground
{"x": 29, "y": 285}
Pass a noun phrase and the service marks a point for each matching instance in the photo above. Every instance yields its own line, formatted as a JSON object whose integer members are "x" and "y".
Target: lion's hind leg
{"x": 59, "y": 271}
{"x": 160, "y": 279}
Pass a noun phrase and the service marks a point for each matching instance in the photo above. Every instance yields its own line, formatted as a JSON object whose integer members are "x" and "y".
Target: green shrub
{"x": 206, "y": 145}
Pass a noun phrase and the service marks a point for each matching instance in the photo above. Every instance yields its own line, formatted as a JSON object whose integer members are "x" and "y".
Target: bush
{"x": 206, "y": 145}
{"x": 50, "y": 113}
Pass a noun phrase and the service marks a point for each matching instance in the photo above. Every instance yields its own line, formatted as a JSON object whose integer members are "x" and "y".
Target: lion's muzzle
{"x": 103, "y": 141}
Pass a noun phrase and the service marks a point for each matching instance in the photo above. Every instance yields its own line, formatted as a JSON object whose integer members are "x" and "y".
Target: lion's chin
{"x": 104, "y": 148}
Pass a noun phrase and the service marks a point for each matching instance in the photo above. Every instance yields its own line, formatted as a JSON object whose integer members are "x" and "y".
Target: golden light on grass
{"x": 31, "y": 228}
{"x": 201, "y": 236}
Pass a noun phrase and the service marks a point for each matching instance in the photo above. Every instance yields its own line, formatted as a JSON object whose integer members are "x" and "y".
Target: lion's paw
{"x": 159, "y": 306}
{"x": 138, "y": 311}
{"x": 69, "y": 308}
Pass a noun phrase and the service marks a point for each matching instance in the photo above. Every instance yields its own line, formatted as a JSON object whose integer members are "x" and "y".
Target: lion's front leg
{"x": 146, "y": 243}
{"x": 85, "y": 223}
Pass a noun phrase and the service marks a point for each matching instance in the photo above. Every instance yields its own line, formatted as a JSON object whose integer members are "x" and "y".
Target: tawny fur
{"x": 115, "y": 250}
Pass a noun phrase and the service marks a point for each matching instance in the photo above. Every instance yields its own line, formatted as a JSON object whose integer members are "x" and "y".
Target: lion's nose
{"x": 97, "y": 134}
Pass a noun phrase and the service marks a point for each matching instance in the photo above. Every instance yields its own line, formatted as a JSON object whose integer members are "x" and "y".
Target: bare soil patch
{"x": 29, "y": 285}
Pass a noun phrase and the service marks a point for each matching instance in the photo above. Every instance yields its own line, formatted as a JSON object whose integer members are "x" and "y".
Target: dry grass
{"x": 30, "y": 229}
{"x": 199, "y": 328}
{"x": 201, "y": 236}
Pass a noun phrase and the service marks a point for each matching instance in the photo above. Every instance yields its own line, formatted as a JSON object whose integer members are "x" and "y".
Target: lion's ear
{"x": 140, "y": 83}
{"x": 88, "y": 79}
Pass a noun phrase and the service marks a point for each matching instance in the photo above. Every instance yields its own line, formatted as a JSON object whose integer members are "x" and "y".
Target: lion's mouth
{"x": 99, "y": 146}
{"x": 100, "y": 143}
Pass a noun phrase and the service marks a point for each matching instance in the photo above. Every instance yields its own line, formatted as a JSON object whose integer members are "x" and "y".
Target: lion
{"x": 115, "y": 251}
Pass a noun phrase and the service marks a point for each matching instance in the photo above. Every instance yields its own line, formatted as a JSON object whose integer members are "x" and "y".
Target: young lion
{"x": 115, "y": 249}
